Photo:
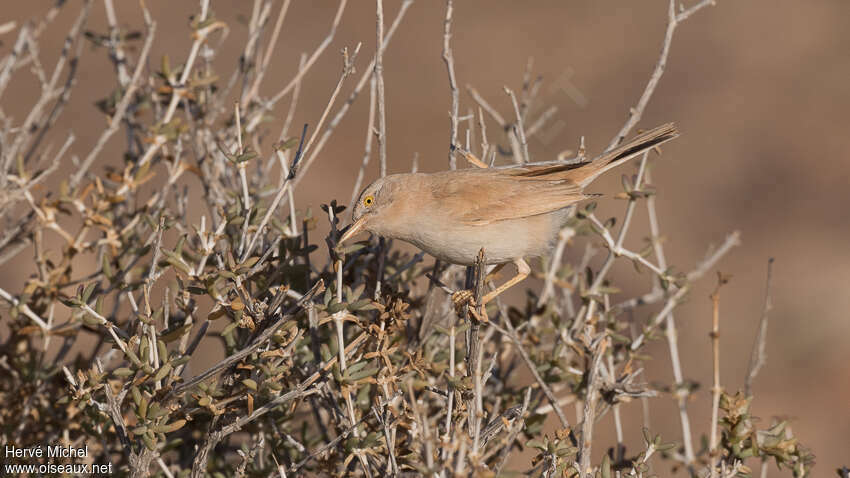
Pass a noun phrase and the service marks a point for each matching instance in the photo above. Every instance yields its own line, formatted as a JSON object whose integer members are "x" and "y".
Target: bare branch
{"x": 758, "y": 356}
{"x": 448, "y": 58}
{"x": 379, "y": 77}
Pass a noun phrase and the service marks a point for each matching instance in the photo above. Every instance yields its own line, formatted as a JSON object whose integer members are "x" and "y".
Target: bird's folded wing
{"x": 485, "y": 196}
{"x": 493, "y": 195}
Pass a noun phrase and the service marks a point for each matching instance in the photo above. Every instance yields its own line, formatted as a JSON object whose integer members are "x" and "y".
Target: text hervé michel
{"x": 53, "y": 451}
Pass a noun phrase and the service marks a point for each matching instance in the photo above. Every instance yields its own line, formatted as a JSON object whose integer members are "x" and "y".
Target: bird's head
{"x": 370, "y": 208}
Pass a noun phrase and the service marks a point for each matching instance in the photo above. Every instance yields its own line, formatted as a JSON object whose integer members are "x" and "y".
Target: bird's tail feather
{"x": 625, "y": 152}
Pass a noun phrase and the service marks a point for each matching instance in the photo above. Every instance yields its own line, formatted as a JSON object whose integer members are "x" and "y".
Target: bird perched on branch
{"x": 511, "y": 212}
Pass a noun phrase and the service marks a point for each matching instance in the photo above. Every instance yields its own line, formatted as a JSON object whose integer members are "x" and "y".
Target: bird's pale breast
{"x": 503, "y": 241}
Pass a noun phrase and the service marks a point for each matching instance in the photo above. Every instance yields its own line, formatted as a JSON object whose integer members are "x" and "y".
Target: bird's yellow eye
{"x": 368, "y": 200}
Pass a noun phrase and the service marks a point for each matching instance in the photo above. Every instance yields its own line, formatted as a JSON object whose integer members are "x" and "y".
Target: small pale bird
{"x": 512, "y": 212}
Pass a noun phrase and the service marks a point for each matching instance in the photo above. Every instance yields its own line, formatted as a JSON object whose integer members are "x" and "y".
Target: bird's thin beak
{"x": 353, "y": 230}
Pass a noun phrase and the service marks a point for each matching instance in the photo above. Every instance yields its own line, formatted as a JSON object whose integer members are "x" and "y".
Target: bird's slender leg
{"x": 463, "y": 297}
{"x": 495, "y": 272}
{"x": 522, "y": 271}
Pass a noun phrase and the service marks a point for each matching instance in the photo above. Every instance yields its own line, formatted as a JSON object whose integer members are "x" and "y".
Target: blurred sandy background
{"x": 759, "y": 90}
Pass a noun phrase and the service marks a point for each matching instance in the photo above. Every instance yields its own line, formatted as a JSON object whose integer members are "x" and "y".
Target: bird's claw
{"x": 461, "y": 298}
{"x": 467, "y": 297}
{"x": 482, "y": 317}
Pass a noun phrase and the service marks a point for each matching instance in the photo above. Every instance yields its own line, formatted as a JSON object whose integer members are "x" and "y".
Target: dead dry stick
{"x": 348, "y": 69}
{"x": 448, "y": 58}
{"x": 530, "y": 87}
{"x": 732, "y": 240}
{"x": 716, "y": 390}
{"x": 281, "y": 156}
{"x": 115, "y": 50}
{"x": 589, "y": 409}
{"x": 379, "y": 77}
{"x": 367, "y": 149}
{"x": 482, "y": 125}
{"x": 293, "y": 168}
{"x": 519, "y": 128}
{"x": 473, "y": 352}
{"x": 482, "y": 103}
{"x": 541, "y": 120}
{"x": 616, "y": 248}
{"x": 759, "y": 354}
{"x": 555, "y": 263}
{"x": 9, "y": 63}
{"x": 447, "y": 435}
{"x": 517, "y": 427}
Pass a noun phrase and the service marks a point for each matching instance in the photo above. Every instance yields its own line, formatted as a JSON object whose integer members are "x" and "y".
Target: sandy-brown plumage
{"x": 512, "y": 212}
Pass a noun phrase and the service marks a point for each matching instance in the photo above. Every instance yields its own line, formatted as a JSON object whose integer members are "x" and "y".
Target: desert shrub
{"x": 337, "y": 360}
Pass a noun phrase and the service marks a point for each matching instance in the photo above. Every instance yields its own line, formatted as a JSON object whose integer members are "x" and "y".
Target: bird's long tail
{"x": 585, "y": 174}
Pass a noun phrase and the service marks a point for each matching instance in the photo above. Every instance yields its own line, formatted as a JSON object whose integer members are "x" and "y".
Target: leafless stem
{"x": 473, "y": 354}
{"x": 109, "y": 326}
{"x": 379, "y": 77}
{"x": 115, "y": 50}
{"x": 452, "y": 366}
{"x": 759, "y": 354}
{"x": 589, "y": 411}
{"x": 519, "y": 127}
{"x": 287, "y": 184}
{"x": 564, "y": 235}
{"x": 448, "y": 58}
{"x": 618, "y": 250}
{"x": 246, "y": 198}
{"x": 670, "y": 331}
{"x": 541, "y": 120}
{"x": 716, "y": 390}
{"x": 711, "y": 259}
{"x": 367, "y": 149}
{"x": 517, "y": 427}
{"x": 9, "y": 63}
{"x": 482, "y": 103}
